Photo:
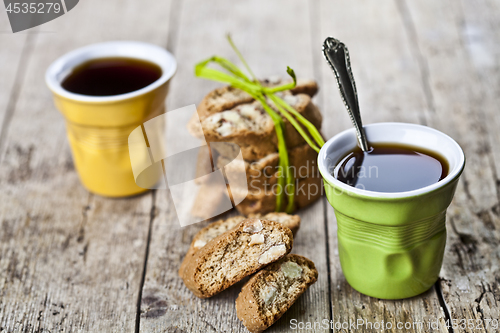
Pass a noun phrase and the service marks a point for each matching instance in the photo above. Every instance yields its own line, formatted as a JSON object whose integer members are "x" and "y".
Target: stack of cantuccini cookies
{"x": 227, "y": 251}
{"x": 232, "y": 120}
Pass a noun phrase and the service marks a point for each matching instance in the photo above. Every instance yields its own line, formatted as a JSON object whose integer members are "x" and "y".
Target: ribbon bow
{"x": 236, "y": 78}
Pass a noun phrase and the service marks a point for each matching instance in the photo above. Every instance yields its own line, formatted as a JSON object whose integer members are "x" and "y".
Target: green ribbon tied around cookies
{"x": 236, "y": 78}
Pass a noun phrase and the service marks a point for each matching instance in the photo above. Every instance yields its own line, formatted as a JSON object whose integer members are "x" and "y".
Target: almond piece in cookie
{"x": 292, "y": 222}
{"x": 265, "y": 171}
{"x": 273, "y": 290}
{"x": 228, "y": 258}
{"x": 307, "y": 190}
{"x": 228, "y": 97}
{"x": 218, "y": 228}
{"x": 252, "y": 129}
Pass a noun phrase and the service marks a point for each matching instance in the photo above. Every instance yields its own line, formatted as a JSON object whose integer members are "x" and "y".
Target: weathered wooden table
{"x": 71, "y": 261}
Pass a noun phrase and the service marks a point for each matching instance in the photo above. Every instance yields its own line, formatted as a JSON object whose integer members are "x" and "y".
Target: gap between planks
{"x": 16, "y": 87}
{"x": 152, "y": 215}
{"x": 171, "y": 44}
{"x": 316, "y": 42}
{"x": 411, "y": 34}
{"x": 485, "y": 144}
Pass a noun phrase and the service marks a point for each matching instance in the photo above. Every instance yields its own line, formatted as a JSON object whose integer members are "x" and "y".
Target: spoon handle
{"x": 337, "y": 56}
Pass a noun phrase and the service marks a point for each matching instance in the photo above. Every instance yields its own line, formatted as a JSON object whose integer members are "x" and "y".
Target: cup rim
{"x": 61, "y": 67}
{"x": 452, "y": 174}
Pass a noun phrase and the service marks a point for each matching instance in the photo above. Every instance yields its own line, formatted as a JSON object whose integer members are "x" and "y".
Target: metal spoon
{"x": 337, "y": 56}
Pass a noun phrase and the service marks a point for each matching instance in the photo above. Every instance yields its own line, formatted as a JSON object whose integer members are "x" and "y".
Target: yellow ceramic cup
{"x": 98, "y": 126}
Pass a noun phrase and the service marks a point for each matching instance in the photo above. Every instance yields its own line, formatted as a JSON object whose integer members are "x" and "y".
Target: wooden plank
{"x": 390, "y": 88}
{"x": 69, "y": 261}
{"x": 480, "y": 37}
{"x": 15, "y": 58}
{"x": 466, "y": 102}
{"x": 271, "y": 35}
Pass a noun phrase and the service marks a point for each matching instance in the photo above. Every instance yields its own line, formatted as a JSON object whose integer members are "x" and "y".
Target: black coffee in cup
{"x": 111, "y": 76}
{"x": 391, "y": 168}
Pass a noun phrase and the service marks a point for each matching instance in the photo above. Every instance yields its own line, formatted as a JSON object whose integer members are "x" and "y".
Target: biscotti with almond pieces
{"x": 252, "y": 129}
{"x": 262, "y": 201}
{"x": 235, "y": 254}
{"x": 273, "y": 290}
{"x": 292, "y": 222}
{"x": 265, "y": 171}
{"x": 217, "y": 228}
{"x": 228, "y": 97}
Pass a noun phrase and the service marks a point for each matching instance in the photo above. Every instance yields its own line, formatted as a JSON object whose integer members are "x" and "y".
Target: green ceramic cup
{"x": 391, "y": 245}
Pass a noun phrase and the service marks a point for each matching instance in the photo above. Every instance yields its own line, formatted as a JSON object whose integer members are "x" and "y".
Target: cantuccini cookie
{"x": 262, "y": 201}
{"x": 292, "y": 222}
{"x": 251, "y": 128}
{"x": 273, "y": 290}
{"x": 217, "y": 228}
{"x": 233, "y": 123}
{"x": 264, "y": 172}
{"x": 228, "y": 97}
{"x": 235, "y": 254}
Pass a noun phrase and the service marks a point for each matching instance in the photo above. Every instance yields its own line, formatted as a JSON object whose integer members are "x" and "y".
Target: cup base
{"x": 390, "y": 297}
{"x": 130, "y": 194}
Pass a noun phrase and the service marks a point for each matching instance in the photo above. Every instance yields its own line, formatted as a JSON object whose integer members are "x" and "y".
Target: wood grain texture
{"x": 269, "y": 42}
{"x": 14, "y": 58}
{"x": 74, "y": 262}
{"x": 452, "y": 99}
{"x": 455, "y": 49}
{"x": 69, "y": 261}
